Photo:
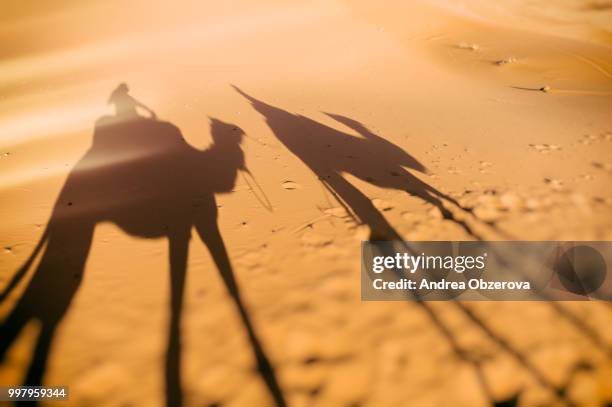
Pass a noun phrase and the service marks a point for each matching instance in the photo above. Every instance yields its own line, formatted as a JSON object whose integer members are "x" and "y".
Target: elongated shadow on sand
{"x": 329, "y": 153}
{"x": 142, "y": 176}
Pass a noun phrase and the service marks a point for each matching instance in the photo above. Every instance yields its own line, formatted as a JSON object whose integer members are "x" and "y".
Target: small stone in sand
{"x": 506, "y": 61}
{"x": 545, "y": 88}
{"x": 602, "y": 166}
{"x": 382, "y": 205}
{"x": 290, "y": 185}
{"x": 602, "y": 200}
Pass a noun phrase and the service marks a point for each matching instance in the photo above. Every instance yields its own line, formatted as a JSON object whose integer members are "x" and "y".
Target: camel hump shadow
{"x": 142, "y": 175}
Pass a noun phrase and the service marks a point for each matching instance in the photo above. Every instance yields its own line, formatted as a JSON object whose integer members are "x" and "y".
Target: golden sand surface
{"x": 357, "y": 119}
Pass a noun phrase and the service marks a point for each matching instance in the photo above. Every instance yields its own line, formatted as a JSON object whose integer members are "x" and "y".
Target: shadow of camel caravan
{"x": 141, "y": 175}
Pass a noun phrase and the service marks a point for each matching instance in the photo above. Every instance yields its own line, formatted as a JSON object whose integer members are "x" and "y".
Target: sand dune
{"x": 415, "y": 120}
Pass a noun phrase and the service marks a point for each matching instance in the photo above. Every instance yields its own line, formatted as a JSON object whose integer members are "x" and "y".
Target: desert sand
{"x": 354, "y": 121}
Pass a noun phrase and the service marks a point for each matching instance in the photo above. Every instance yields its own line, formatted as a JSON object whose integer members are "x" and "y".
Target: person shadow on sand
{"x": 141, "y": 175}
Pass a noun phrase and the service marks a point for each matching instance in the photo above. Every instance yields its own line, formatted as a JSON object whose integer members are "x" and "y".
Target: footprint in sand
{"x": 511, "y": 201}
{"x": 591, "y": 138}
{"x": 453, "y": 170}
{"x": 484, "y": 167}
{"x": 412, "y": 218}
{"x": 469, "y": 46}
{"x": 588, "y": 139}
{"x": 382, "y": 205}
{"x": 488, "y": 208}
{"x": 602, "y": 166}
{"x": 545, "y": 148}
{"x": 555, "y": 184}
{"x": 290, "y": 185}
{"x": 493, "y": 207}
{"x": 313, "y": 239}
{"x": 337, "y": 212}
{"x": 602, "y": 200}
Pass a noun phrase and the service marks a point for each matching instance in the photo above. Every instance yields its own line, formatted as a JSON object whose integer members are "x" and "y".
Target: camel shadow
{"x": 329, "y": 153}
{"x": 141, "y": 175}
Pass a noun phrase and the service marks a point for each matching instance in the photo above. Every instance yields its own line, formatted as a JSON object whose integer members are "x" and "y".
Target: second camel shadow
{"x": 329, "y": 153}
{"x": 141, "y": 175}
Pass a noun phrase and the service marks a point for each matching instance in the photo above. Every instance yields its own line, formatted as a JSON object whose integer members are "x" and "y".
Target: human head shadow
{"x": 141, "y": 175}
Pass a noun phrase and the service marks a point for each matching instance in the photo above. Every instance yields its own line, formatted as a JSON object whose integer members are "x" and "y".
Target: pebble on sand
{"x": 290, "y": 185}
{"x": 382, "y": 205}
{"x": 602, "y": 166}
{"x": 505, "y": 61}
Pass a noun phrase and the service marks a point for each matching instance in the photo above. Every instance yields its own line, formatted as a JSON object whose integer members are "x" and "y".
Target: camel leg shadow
{"x": 49, "y": 293}
{"x": 179, "y": 250}
{"x": 210, "y": 235}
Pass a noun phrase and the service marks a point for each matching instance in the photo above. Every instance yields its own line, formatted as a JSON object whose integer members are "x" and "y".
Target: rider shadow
{"x": 329, "y": 153}
{"x": 141, "y": 175}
